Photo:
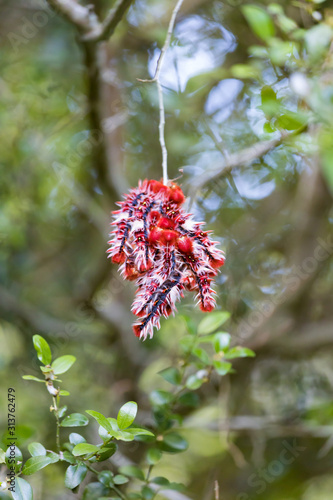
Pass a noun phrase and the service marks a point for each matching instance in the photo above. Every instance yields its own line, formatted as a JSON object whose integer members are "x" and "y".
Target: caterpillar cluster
{"x": 158, "y": 244}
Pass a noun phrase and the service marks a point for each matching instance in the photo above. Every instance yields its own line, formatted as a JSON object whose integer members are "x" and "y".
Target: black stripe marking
{"x": 167, "y": 287}
{"x": 127, "y": 228}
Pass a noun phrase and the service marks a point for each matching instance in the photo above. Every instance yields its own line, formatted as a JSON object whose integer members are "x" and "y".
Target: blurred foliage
{"x": 248, "y": 94}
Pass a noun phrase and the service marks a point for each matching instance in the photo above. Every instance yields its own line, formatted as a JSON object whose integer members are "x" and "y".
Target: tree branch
{"x": 82, "y": 17}
{"x": 244, "y": 157}
{"x": 106, "y": 29}
{"x": 86, "y": 20}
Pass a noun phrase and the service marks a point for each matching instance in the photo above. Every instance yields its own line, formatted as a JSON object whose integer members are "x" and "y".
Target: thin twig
{"x": 161, "y": 133}
{"x": 167, "y": 40}
{"x": 160, "y": 91}
{"x": 216, "y": 490}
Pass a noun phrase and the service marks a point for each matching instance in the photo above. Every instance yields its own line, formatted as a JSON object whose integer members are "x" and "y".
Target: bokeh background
{"x": 249, "y": 106}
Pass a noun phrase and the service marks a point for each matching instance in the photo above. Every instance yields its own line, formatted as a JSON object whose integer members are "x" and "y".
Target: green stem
{"x": 55, "y": 406}
{"x": 117, "y": 490}
{"x": 150, "y": 468}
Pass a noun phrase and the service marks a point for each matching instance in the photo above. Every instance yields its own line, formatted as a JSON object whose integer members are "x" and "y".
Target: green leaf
{"x": 174, "y": 443}
{"x": 106, "y": 478}
{"x": 132, "y": 471}
{"x": 211, "y": 322}
{"x": 161, "y": 481}
{"x": 177, "y": 486}
{"x": 120, "y": 479}
{"x": 43, "y": 349}
{"x": 75, "y": 420}
{"x": 291, "y": 120}
{"x": 62, "y": 411}
{"x": 190, "y": 399}
{"x": 239, "y": 352}
{"x": 186, "y": 343}
{"x": 171, "y": 375}
{"x": 45, "y": 369}
{"x": 31, "y": 377}
{"x": 127, "y": 414}
{"x": 147, "y": 493}
{"x": 106, "y": 452}
{"x": 222, "y": 367}
{"x": 260, "y": 21}
{"x": 153, "y": 456}
{"x": 139, "y": 431}
{"x": 160, "y": 398}
{"x": 62, "y": 364}
{"x": 103, "y": 421}
{"x": 94, "y": 491}
{"x": 35, "y": 464}
{"x": 55, "y": 457}
{"x": 123, "y": 435}
{"x": 190, "y": 324}
{"x": 75, "y": 438}
{"x": 36, "y": 449}
{"x": 269, "y": 101}
{"x": 2, "y": 456}
{"x": 75, "y": 474}
{"x": 201, "y": 354}
{"x": 23, "y": 490}
{"x": 221, "y": 341}
{"x": 64, "y": 393}
{"x": 104, "y": 434}
{"x": 84, "y": 449}
{"x": 68, "y": 457}
{"x": 195, "y": 381}
{"x": 17, "y": 456}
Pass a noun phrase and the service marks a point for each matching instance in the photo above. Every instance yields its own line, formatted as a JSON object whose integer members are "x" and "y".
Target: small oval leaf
{"x": 132, "y": 471}
{"x": 75, "y": 438}
{"x": 31, "y": 377}
{"x": 74, "y": 476}
{"x": 75, "y": 420}
{"x": 127, "y": 414}
{"x": 36, "y": 449}
{"x": 43, "y": 349}
{"x": 23, "y": 490}
{"x": 35, "y": 464}
{"x": 210, "y": 323}
{"x": 103, "y": 421}
{"x": 260, "y": 21}
{"x": 239, "y": 352}
{"x": 222, "y": 367}
{"x": 62, "y": 364}
{"x": 174, "y": 443}
{"x": 84, "y": 449}
{"x": 171, "y": 375}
